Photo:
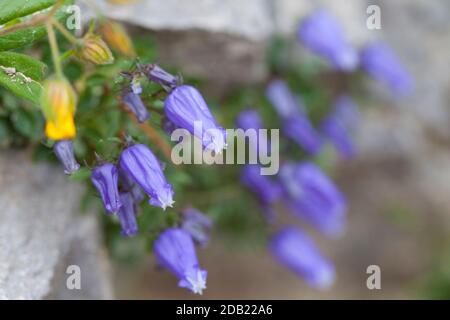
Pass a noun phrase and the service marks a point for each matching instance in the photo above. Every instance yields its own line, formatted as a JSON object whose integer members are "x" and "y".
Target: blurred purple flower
{"x": 64, "y": 152}
{"x": 311, "y": 195}
{"x": 339, "y": 124}
{"x": 197, "y": 224}
{"x": 105, "y": 180}
{"x": 267, "y": 190}
{"x": 296, "y": 124}
{"x": 159, "y": 75}
{"x": 134, "y": 103}
{"x": 380, "y": 62}
{"x": 141, "y": 165}
{"x": 250, "y": 119}
{"x": 186, "y": 108}
{"x": 127, "y": 215}
{"x": 321, "y": 33}
{"x": 174, "y": 249}
{"x": 296, "y": 251}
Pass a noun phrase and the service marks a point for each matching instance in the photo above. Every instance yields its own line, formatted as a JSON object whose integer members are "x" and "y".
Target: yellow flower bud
{"x": 58, "y": 103}
{"x": 116, "y": 36}
{"x": 95, "y": 50}
{"x": 61, "y": 128}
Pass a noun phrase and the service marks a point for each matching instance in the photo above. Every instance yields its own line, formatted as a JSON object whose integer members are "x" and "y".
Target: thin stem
{"x": 66, "y": 55}
{"x": 54, "y": 49}
{"x": 64, "y": 31}
{"x": 36, "y": 20}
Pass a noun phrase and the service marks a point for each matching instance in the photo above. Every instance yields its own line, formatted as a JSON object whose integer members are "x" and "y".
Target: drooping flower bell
{"x": 267, "y": 190}
{"x": 322, "y": 34}
{"x": 312, "y": 196}
{"x": 296, "y": 124}
{"x": 134, "y": 103}
{"x": 157, "y": 74}
{"x": 339, "y": 124}
{"x": 297, "y": 252}
{"x": 116, "y": 36}
{"x": 127, "y": 215}
{"x": 58, "y": 103}
{"x": 197, "y": 224}
{"x": 105, "y": 179}
{"x": 251, "y": 120}
{"x": 93, "y": 49}
{"x": 64, "y": 152}
{"x": 380, "y": 62}
{"x": 186, "y": 108}
{"x": 141, "y": 165}
{"x": 174, "y": 249}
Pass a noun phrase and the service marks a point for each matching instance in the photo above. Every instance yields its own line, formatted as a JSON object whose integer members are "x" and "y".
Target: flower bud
{"x": 141, "y": 165}
{"x": 127, "y": 215}
{"x": 116, "y": 36}
{"x": 136, "y": 106}
{"x": 296, "y": 251}
{"x": 175, "y": 250}
{"x": 105, "y": 179}
{"x": 185, "y": 108}
{"x": 95, "y": 50}
{"x": 159, "y": 75}
{"x": 64, "y": 152}
{"x": 322, "y": 34}
{"x": 58, "y": 103}
{"x": 312, "y": 196}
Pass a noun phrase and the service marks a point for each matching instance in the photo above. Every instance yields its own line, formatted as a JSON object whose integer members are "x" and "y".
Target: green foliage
{"x": 10, "y": 10}
{"x": 21, "y": 74}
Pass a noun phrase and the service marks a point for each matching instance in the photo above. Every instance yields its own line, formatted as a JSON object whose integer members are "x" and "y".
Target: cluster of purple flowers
{"x": 124, "y": 185}
{"x": 302, "y": 187}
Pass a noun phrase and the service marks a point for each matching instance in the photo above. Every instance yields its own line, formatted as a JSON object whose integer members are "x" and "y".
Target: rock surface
{"x": 41, "y": 229}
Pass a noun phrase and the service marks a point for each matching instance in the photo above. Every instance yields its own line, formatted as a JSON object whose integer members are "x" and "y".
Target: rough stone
{"x": 40, "y": 226}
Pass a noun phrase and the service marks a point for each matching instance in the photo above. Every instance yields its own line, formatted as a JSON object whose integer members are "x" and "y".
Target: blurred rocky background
{"x": 398, "y": 187}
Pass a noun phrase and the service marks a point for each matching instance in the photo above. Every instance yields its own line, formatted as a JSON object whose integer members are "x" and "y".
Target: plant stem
{"x": 36, "y": 20}
{"x": 64, "y": 31}
{"x": 54, "y": 49}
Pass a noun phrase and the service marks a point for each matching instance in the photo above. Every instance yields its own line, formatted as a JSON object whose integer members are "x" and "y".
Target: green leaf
{"x": 21, "y": 74}
{"x": 10, "y": 10}
{"x": 28, "y": 36}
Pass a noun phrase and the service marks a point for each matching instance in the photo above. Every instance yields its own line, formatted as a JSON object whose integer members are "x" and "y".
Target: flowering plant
{"x": 107, "y": 111}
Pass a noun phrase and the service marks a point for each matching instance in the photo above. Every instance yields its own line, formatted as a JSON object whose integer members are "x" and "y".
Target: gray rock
{"x": 40, "y": 225}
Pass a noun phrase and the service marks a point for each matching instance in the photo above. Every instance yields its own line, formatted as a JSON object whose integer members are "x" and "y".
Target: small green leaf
{"x": 10, "y": 10}
{"x": 27, "y": 36}
{"x": 21, "y": 74}
{"x": 81, "y": 175}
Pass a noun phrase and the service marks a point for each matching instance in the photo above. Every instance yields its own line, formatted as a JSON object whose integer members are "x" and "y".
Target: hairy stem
{"x": 54, "y": 49}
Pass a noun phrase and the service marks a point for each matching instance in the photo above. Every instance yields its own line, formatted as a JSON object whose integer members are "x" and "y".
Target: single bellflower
{"x": 175, "y": 250}
{"x": 159, "y": 75}
{"x": 380, "y": 62}
{"x": 296, "y": 251}
{"x": 64, "y": 152}
{"x": 312, "y": 196}
{"x": 139, "y": 162}
{"x": 267, "y": 190}
{"x": 186, "y": 108}
{"x": 134, "y": 103}
{"x": 322, "y": 34}
{"x": 296, "y": 124}
{"x": 105, "y": 180}
{"x": 127, "y": 215}
{"x": 197, "y": 224}
{"x": 339, "y": 124}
